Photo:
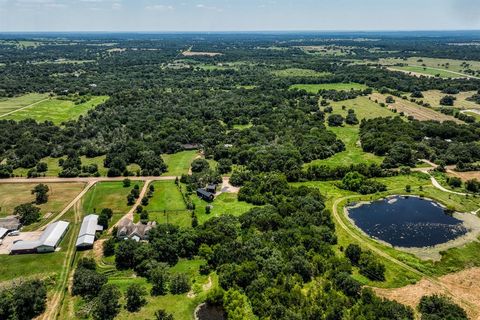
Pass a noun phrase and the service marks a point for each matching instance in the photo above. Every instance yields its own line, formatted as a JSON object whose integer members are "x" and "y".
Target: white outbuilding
{"x": 86, "y": 236}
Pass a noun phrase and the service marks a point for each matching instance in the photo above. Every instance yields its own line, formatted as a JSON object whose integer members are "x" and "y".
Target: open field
{"x": 226, "y": 203}
{"x": 8, "y": 105}
{"x": 200, "y": 54}
{"x": 433, "y": 98}
{"x": 330, "y": 50}
{"x": 296, "y": 72}
{"x": 179, "y": 163}
{"x": 108, "y": 195}
{"x": 167, "y": 205}
{"x": 425, "y": 71}
{"x": 364, "y": 109}
{"x": 462, "y": 284}
{"x": 447, "y": 67}
{"x": 60, "y": 194}
{"x": 54, "y": 168}
{"x": 314, "y": 88}
{"x": 413, "y": 109}
{"x": 56, "y": 110}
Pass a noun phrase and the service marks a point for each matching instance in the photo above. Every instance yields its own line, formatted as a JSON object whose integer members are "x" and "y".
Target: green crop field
{"x": 56, "y": 110}
{"x": 296, "y": 72}
{"x": 314, "y": 88}
{"x": 60, "y": 194}
{"x": 364, "y": 109}
{"x": 179, "y": 163}
{"x": 108, "y": 195}
{"x": 8, "y": 105}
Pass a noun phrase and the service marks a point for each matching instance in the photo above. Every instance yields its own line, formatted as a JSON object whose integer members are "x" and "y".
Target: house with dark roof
{"x": 205, "y": 195}
{"x": 126, "y": 229}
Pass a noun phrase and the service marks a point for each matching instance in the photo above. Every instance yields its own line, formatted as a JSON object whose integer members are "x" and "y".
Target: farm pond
{"x": 408, "y": 222}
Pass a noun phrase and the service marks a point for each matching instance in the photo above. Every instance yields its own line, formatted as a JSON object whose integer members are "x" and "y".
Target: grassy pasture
{"x": 314, "y": 88}
{"x": 427, "y": 71}
{"x": 56, "y": 110}
{"x": 54, "y": 168}
{"x": 60, "y": 194}
{"x": 167, "y": 205}
{"x": 413, "y": 109}
{"x": 179, "y": 163}
{"x": 108, "y": 195}
{"x": 297, "y": 72}
{"x": 365, "y": 109}
{"x": 11, "y": 104}
{"x": 433, "y": 98}
{"x": 446, "y": 65}
{"x": 226, "y": 203}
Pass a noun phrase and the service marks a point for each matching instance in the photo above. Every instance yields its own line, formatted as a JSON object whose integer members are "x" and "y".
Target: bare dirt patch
{"x": 469, "y": 175}
{"x": 414, "y": 110}
{"x": 462, "y": 285}
{"x": 411, "y": 73}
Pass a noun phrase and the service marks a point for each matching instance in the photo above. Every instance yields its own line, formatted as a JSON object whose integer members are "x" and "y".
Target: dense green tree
{"x": 27, "y": 213}
{"x": 107, "y": 305}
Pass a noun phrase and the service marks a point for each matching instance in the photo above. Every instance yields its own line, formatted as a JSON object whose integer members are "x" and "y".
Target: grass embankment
{"x": 452, "y": 260}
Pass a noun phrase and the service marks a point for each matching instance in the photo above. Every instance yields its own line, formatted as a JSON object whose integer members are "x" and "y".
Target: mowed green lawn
{"x": 225, "y": 203}
{"x": 167, "y": 205}
{"x": 314, "y": 88}
{"x": 364, "y": 109}
{"x": 108, "y": 195}
{"x": 11, "y": 104}
{"x": 179, "y": 163}
{"x": 297, "y": 72}
{"x": 56, "y": 110}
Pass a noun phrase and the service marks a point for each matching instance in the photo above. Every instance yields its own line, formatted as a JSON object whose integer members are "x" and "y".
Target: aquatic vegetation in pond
{"x": 407, "y": 222}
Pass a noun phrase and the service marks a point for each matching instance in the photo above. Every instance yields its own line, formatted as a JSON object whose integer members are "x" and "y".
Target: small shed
{"x": 205, "y": 195}
{"x": 212, "y": 188}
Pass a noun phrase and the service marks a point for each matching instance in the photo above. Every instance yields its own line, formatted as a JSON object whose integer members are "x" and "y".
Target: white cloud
{"x": 159, "y": 7}
{"x": 211, "y": 8}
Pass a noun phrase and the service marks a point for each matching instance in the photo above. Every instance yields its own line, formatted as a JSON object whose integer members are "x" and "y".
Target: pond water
{"x": 209, "y": 312}
{"x": 407, "y": 222}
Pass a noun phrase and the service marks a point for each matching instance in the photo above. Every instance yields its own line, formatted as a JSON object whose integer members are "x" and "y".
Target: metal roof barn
{"x": 48, "y": 241}
{"x": 86, "y": 236}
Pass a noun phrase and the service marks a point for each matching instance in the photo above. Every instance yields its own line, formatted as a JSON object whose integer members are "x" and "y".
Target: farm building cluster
{"x": 208, "y": 193}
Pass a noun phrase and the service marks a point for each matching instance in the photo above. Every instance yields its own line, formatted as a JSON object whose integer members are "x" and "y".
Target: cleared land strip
{"x": 86, "y": 180}
{"x": 454, "y": 72}
{"x": 22, "y": 108}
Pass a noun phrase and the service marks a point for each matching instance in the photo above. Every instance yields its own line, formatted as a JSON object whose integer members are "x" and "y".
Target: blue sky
{"x": 237, "y": 15}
